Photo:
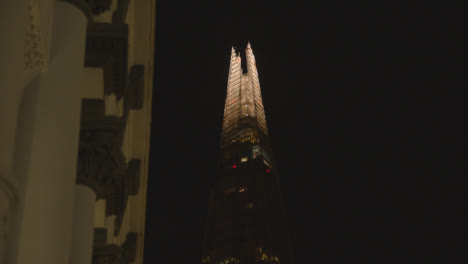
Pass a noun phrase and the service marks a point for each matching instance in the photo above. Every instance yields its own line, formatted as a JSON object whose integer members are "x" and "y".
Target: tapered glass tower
{"x": 246, "y": 221}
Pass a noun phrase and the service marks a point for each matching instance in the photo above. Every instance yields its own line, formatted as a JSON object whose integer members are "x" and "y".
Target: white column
{"x": 13, "y": 21}
{"x": 48, "y": 132}
{"x": 83, "y": 225}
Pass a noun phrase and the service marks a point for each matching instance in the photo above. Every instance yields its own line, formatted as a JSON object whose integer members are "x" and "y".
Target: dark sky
{"x": 363, "y": 113}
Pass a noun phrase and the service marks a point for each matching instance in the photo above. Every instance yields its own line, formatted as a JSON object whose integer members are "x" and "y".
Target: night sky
{"x": 363, "y": 118}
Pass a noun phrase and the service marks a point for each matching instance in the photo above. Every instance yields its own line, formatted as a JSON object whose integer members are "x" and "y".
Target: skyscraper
{"x": 246, "y": 220}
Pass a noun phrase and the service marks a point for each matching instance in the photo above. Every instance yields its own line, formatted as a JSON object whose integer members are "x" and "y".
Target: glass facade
{"x": 243, "y": 103}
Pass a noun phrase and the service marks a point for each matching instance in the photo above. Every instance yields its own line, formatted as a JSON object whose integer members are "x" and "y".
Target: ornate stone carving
{"x": 36, "y": 46}
{"x": 111, "y": 253}
{"x": 106, "y": 47}
{"x": 101, "y": 162}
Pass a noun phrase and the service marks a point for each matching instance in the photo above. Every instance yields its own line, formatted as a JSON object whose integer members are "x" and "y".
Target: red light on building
{"x": 234, "y": 166}
{"x": 268, "y": 170}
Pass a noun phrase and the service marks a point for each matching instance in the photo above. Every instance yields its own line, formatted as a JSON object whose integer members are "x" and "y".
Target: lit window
{"x": 244, "y": 159}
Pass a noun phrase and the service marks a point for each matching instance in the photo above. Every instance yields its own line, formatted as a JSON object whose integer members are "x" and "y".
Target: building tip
{"x": 233, "y": 51}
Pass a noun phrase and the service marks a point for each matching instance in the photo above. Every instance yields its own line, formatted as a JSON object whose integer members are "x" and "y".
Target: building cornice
{"x": 148, "y": 97}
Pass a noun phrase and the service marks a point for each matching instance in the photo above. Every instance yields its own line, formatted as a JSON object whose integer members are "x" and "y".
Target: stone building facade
{"x": 76, "y": 82}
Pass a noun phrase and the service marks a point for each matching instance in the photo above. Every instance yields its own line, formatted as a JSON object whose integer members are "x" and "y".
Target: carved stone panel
{"x": 38, "y": 36}
{"x": 101, "y": 163}
{"x": 106, "y": 47}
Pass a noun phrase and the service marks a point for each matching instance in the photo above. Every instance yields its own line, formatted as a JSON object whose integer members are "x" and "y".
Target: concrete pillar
{"x": 13, "y": 22}
{"x": 46, "y": 155}
{"x": 83, "y": 225}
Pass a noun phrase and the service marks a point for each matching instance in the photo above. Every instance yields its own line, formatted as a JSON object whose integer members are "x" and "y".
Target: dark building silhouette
{"x": 246, "y": 220}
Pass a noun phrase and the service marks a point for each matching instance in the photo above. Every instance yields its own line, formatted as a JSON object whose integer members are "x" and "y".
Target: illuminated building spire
{"x": 247, "y": 221}
{"x": 243, "y": 100}
{"x": 232, "y": 104}
{"x": 255, "y": 84}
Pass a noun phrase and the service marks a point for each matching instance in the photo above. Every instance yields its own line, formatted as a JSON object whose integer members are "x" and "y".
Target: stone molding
{"x": 117, "y": 196}
{"x": 38, "y": 35}
{"x": 133, "y": 176}
{"x": 100, "y": 158}
{"x": 107, "y": 47}
{"x": 101, "y": 163}
{"x": 136, "y": 86}
{"x": 117, "y": 193}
